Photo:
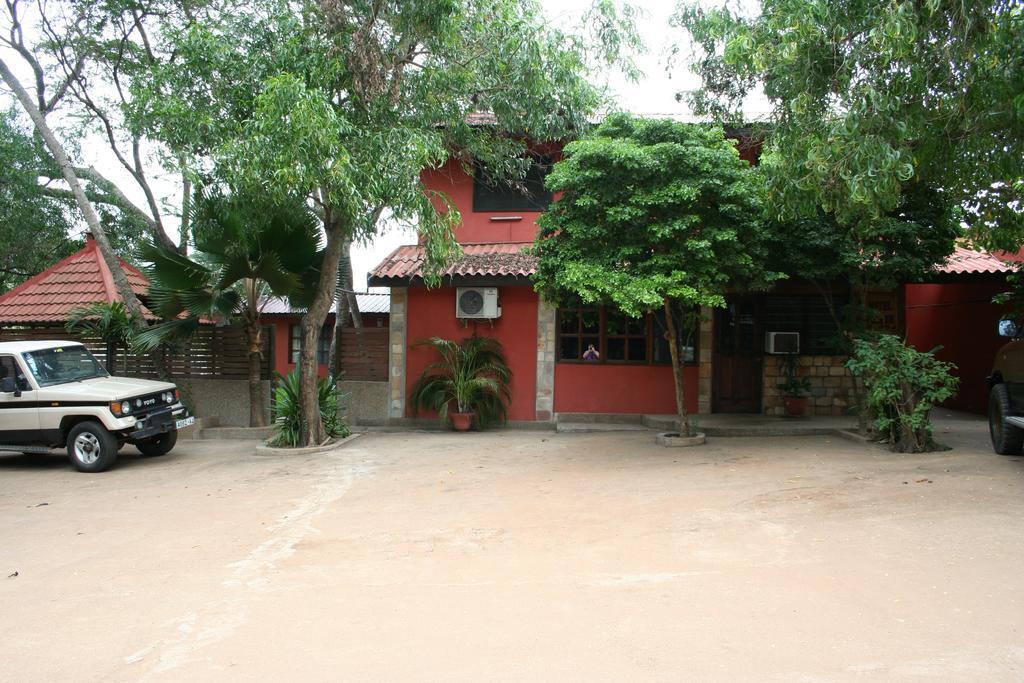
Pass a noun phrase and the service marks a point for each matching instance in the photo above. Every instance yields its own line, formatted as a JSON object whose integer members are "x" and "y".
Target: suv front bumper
{"x": 158, "y": 422}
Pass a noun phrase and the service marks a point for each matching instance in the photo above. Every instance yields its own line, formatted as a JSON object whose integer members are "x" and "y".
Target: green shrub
{"x": 472, "y": 374}
{"x": 902, "y": 385}
{"x": 289, "y": 413}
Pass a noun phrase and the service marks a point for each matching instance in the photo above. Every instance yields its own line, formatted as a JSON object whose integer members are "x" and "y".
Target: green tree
{"x": 866, "y": 97}
{"x": 344, "y": 104}
{"x": 244, "y": 247}
{"x": 654, "y": 215}
{"x": 34, "y": 229}
{"x": 906, "y": 245}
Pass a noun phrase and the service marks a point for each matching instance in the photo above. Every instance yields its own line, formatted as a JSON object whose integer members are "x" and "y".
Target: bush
{"x": 472, "y": 376}
{"x": 289, "y": 413}
{"x": 902, "y": 386}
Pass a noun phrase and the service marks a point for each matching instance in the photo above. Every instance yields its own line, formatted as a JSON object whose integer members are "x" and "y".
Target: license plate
{"x": 181, "y": 424}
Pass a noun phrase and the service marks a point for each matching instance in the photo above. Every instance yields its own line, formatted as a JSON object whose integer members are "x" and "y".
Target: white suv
{"x": 55, "y": 394}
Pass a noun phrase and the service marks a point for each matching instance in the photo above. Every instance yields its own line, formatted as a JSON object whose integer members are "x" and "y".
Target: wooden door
{"x": 738, "y": 357}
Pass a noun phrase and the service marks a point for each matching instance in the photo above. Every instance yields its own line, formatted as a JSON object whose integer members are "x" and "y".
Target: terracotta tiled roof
{"x": 79, "y": 280}
{"x": 967, "y": 261}
{"x": 369, "y": 302}
{"x": 478, "y": 260}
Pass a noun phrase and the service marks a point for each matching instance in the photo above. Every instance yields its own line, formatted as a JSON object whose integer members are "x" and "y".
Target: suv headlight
{"x": 169, "y": 397}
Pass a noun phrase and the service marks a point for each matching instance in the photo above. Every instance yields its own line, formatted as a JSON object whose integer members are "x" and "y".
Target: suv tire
{"x": 1006, "y": 439}
{"x": 91, "y": 447}
{"x": 158, "y": 445}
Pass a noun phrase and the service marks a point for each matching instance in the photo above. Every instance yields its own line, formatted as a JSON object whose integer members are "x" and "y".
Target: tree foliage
{"x": 245, "y": 247}
{"x": 652, "y": 213}
{"x": 35, "y": 230}
{"x": 344, "y": 104}
{"x": 903, "y": 385}
{"x": 867, "y": 97}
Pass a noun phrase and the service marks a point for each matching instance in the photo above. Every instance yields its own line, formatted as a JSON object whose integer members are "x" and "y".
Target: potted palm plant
{"x": 796, "y": 388}
{"x": 469, "y": 382}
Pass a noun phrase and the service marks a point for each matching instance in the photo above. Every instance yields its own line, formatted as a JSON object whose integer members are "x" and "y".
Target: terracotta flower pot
{"x": 462, "y": 421}
{"x": 796, "y": 406}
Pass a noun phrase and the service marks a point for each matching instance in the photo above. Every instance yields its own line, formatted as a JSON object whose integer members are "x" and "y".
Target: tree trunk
{"x": 253, "y": 334}
{"x": 677, "y": 370}
{"x": 341, "y": 308}
{"x": 186, "y": 209}
{"x": 68, "y": 172}
{"x": 312, "y": 323}
{"x": 111, "y": 358}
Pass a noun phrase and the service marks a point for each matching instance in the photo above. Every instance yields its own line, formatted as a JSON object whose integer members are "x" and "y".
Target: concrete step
{"x": 601, "y": 418}
{"x": 584, "y": 427}
{"x": 237, "y": 433}
{"x": 664, "y": 423}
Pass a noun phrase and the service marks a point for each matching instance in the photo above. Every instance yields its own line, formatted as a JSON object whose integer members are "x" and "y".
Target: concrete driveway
{"x": 517, "y": 556}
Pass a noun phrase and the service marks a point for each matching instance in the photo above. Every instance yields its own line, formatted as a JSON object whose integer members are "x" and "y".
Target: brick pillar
{"x": 546, "y": 333}
{"x": 707, "y": 325}
{"x": 397, "y": 349}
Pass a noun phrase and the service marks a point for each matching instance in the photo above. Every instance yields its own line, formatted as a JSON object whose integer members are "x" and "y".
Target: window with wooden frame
{"x": 616, "y": 338}
{"x": 323, "y": 352}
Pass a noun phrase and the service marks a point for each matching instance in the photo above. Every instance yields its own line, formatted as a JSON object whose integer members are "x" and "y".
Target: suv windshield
{"x": 63, "y": 364}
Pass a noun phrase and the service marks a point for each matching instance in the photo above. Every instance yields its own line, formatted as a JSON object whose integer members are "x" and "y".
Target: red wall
{"x": 431, "y": 313}
{"x": 603, "y": 388}
{"x": 961, "y": 318}
{"x": 477, "y": 228}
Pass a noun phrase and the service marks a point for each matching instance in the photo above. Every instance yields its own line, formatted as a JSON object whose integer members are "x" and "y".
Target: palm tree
{"x": 112, "y": 323}
{"x": 472, "y": 374}
{"x": 244, "y": 247}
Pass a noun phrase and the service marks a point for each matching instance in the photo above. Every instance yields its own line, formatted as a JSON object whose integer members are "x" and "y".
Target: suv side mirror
{"x": 8, "y": 386}
{"x": 1009, "y": 328}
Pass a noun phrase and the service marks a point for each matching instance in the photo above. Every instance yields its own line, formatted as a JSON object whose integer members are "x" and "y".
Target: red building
{"x": 730, "y": 366}
{"x": 954, "y": 311}
{"x": 726, "y": 369}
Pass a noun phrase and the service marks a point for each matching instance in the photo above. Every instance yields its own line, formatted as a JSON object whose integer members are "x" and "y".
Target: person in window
{"x": 591, "y": 353}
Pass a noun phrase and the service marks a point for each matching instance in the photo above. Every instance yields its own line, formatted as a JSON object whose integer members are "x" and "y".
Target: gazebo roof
{"x": 79, "y": 280}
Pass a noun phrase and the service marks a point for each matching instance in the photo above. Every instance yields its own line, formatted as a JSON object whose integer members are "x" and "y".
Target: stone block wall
{"x": 546, "y": 333}
{"x": 367, "y": 402}
{"x": 831, "y": 385}
{"x": 706, "y": 351}
{"x": 396, "y": 351}
{"x": 224, "y": 399}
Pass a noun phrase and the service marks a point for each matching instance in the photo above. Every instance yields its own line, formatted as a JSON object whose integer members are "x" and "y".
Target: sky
{"x": 653, "y": 94}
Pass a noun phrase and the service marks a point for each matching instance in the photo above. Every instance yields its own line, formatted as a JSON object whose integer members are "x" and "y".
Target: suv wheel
{"x": 158, "y": 445}
{"x": 1006, "y": 439}
{"x": 91, "y": 447}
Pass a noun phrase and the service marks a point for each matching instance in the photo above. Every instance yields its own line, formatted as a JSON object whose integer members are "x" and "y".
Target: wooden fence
{"x": 364, "y": 354}
{"x": 212, "y": 352}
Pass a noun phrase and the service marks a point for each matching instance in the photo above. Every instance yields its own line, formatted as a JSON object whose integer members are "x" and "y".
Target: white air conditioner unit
{"x": 782, "y": 342}
{"x": 477, "y": 302}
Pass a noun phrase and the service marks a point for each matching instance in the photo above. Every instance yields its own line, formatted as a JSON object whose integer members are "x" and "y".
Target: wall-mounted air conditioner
{"x": 477, "y": 302}
{"x": 782, "y": 342}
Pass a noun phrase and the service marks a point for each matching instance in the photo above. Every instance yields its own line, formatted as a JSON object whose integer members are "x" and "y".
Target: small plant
{"x": 289, "y": 413}
{"x": 902, "y": 385}
{"x": 795, "y": 385}
{"x": 472, "y": 374}
{"x": 113, "y": 323}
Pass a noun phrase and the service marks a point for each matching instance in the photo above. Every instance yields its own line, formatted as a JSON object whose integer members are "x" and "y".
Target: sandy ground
{"x": 519, "y": 556}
